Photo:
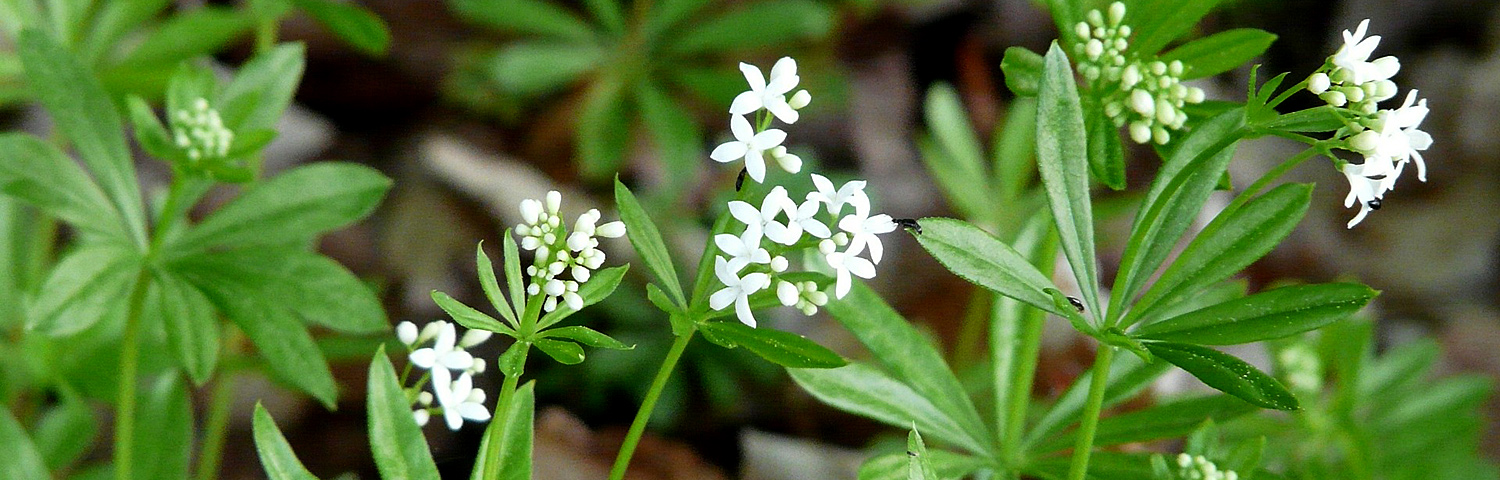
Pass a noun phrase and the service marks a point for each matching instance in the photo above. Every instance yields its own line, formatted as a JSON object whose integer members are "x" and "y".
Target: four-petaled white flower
{"x": 844, "y": 264}
{"x": 1364, "y": 188}
{"x": 764, "y": 218}
{"x": 802, "y": 218}
{"x": 737, "y": 290}
{"x": 748, "y": 145}
{"x": 853, "y": 192}
{"x": 1354, "y": 56}
{"x": 743, "y": 249}
{"x": 442, "y": 356}
{"x": 462, "y": 401}
{"x": 770, "y": 95}
{"x": 1400, "y": 140}
{"x": 863, "y": 229}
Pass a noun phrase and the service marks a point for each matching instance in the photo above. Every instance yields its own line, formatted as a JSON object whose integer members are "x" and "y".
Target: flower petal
{"x": 742, "y": 310}
{"x": 753, "y": 77}
{"x": 729, "y": 151}
{"x": 722, "y": 298}
{"x": 768, "y": 139}
{"x": 778, "y": 107}
{"x": 745, "y": 212}
{"x": 755, "y": 165}
{"x": 745, "y": 102}
{"x": 740, "y": 127}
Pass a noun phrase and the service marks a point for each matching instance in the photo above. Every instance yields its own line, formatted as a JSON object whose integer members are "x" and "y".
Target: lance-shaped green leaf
{"x": 600, "y": 285}
{"x": 603, "y": 128}
{"x": 163, "y": 430}
{"x": 511, "y": 432}
{"x": 467, "y": 316}
{"x": 64, "y": 433}
{"x": 1062, "y": 160}
{"x": 893, "y": 466}
{"x": 564, "y": 351}
{"x": 396, "y": 441}
{"x": 1227, "y": 245}
{"x": 491, "y": 286}
{"x": 84, "y": 114}
{"x": 1106, "y": 154}
{"x": 908, "y": 355}
{"x": 1168, "y": 420}
{"x": 513, "y": 276}
{"x": 1127, "y": 377}
{"x": 1179, "y": 192}
{"x": 85, "y": 285}
{"x": 189, "y": 34}
{"x": 536, "y": 67}
{"x": 1014, "y": 150}
{"x": 262, "y": 89}
{"x": 984, "y": 260}
{"x": 538, "y": 17}
{"x": 316, "y": 287}
{"x": 1220, "y": 52}
{"x": 647, "y": 241}
{"x": 1103, "y": 465}
{"x": 677, "y": 136}
{"x": 113, "y": 20}
{"x": 756, "y": 25}
{"x": 1267, "y": 315}
{"x": 953, "y": 155}
{"x": 1023, "y": 71}
{"x": 779, "y": 347}
{"x": 586, "y": 336}
{"x": 351, "y": 23}
{"x": 918, "y": 465}
{"x": 190, "y": 322}
{"x": 1325, "y": 118}
{"x": 293, "y": 207}
{"x": 280, "y": 339}
{"x": 19, "y": 459}
{"x": 866, "y": 391}
{"x": 41, "y": 175}
{"x": 607, "y": 13}
{"x": 1158, "y": 22}
{"x": 1227, "y": 374}
{"x": 276, "y": 456}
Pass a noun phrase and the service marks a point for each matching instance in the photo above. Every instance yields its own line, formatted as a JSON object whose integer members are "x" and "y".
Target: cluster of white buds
{"x": 457, "y": 399}
{"x": 752, "y": 143}
{"x": 200, "y": 132}
{"x": 1146, "y": 96}
{"x": 1387, "y": 139}
{"x": 1101, "y": 45}
{"x": 559, "y": 252}
{"x": 752, "y": 260}
{"x": 1195, "y": 467}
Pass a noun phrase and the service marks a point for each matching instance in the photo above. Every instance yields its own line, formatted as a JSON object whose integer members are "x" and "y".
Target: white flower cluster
{"x": 200, "y": 132}
{"x": 1148, "y": 96}
{"x": 753, "y": 143}
{"x": 1195, "y": 467}
{"x": 749, "y": 264}
{"x": 1388, "y": 139}
{"x": 457, "y": 399}
{"x": 558, "y": 251}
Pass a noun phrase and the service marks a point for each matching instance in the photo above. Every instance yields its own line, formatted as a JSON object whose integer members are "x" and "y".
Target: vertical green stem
{"x": 637, "y": 427}
{"x": 1019, "y": 400}
{"x": 492, "y": 443}
{"x": 265, "y": 35}
{"x": 216, "y": 427}
{"x": 130, "y": 350}
{"x": 1090, "y": 420}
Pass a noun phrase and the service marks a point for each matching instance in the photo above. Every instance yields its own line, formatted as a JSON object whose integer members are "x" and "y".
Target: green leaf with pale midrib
{"x": 1169, "y": 420}
{"x": 647, "y": 240}
{"x": 190, "y": 322}
{"x": 600, "y": 285}
{"x": 351, "y": 23}
{"x": 85, "y": 284}
{"x": 293, "y": 207}
{"x": 316, "y": 287}
{"x": 1062, "y": 161}
{"x": 396, "y": 441}
{"x": 782, "y": 348}
{"x": 281, "y": 340}
{"x": 984, "y": 260}
{"x": 164, "y": 429}
{"x": 863, "y": 390}
{"x": 1220, "y": 52}
{"x": 41, "y": 175}
{"x": 1227, "y": 374}
{"x": 276, "y": 456}
{"x": 1267, "y": 315}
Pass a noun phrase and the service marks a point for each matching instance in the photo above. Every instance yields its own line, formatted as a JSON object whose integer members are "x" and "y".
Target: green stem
{"x": 637, "y": 427}
{"x": 265, "y": 35}
{"x": 1090, "y": 420}
{"x": 216, "y": 427}
{"x": 492, "y": 443}
{"x": 1019, "y": 400}
{"x": 130, "y": 349}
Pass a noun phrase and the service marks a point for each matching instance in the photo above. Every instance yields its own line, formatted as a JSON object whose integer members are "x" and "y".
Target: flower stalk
{"x": 1090, "y": 420}
{"x": 643, "y": 415}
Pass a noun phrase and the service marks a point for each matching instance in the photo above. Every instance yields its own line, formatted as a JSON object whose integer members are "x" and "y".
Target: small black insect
{"x": 912, "y": 454}
{"x": 1374, "y": 204}
{"x": 739, "y": 181}
{"x": 1077, "y": 305}
{"x": 909, "y": 224}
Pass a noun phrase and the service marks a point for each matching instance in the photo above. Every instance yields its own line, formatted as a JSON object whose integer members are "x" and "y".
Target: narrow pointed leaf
{"x": 190, "y": 322}
{"x": 511, "y": 432}
{"x": 538, "y": 17}
{"x": 600, "y": 285}
{"x": 41, "y": 175}
{"x": 677, "y": 136}
{"x": 755, "y": 25}
{"x": 918, "y": 464}
{"x": 1168, "y": 420}
{"x": 892, "y": 466}
{"x": 1231, "y": 242}
{"x": 538, "y": 67}
{"x": 396, "y": 441}
{"x": 866, "y": 391}
{"x": 467, "y": 316}
{"x": 1227, "y": 374}
{"x": 1267, "y": 315}
{"x": 603, "y": 129}
{"x": 1023, "y": 71}
{"x": 64, "y": 433}
{"x": 85, "y": 285}
{"x": 293, "y": 207}
{"x": 587, "y": 336}
{"x": 85, "y": 115}
{"x": 782, "y": 348}
{"x": 276, "y": 456}
{"x": 262, "y": 88}
{"x": 19, "y": 459}
{"x": 279, "y": 338}
{"x": 513, "y": 276}
{"x": 986, "y": 261}
{"x": 188, "y": 34}
{"x": 317, "y": 288}
{"x": 491, "y": 286}
{"x": 908, "y": 355}
{"x": 163, "y": 430}
{"x": 351, "y": 23}
{"x": 565, "y": 352}
{"x": 953, "y": 155}
{"x": 1317, "y": 119}
{"x": 1158, "y": 22}
{"x": 1220, "y": 52}
{"x": 1062, "y": 160}
{"x": 1106, "y": 154}
{"x": 647, "y": 241}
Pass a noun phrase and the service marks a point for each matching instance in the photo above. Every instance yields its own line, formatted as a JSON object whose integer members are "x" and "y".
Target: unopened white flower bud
{"x": 479, "y": 366}
{"x": 1096, "y": 19}
{"x": 1175, "y": 68}
{"x": 554, "y": 287}
{"x": 787, "y": 293}
{"x": 1093, "y": 49}
{"x": 1334, "y": 97}
{"x": 550, "y": 304}
{"x": 1082, "y": 30}
{"x": 779, "y": 264}
{"x": 421, "y": 416}
{"x": 554, "y": 202}
{"x": 1130, "y": 77}
{"x": 1140, "y": 132}
{"x": 1164, "y": 111}
{"x": 425, "y": 398}
{"x": 1365, "y": 142}
{"x": 800, "y": 99}
{"x": 1353, "y": 94}
{"x": 615, "y": 229}
{"x": 1386, "y": 67}
{"x": 1142, "y": 103}
{"x": 574, "y": 301}
{"x": 474, "y": 337}
{"x": 1194, "y": 95}
{"x": 407, "y": 333}
{"x": 1116, "y": 13}
{"x": 826, "y": 246}
{"x": 1160, "y": 135}
{"x": 1383, "y": 90}
{"x": 430, "y": 331}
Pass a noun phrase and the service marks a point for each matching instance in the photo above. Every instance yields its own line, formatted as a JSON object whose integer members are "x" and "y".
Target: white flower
{"x": 1363, "y": 188}
{"x": 737, "y": 290}
{"x": 764, "y": 218}
{"x": 743, "y": 249}
{"x": 863, "y": 230}
{"x": 462, "y": 401}
{"x": 442, "y": 356}
{"x": 1353, "y": 56}
{"x": 845, "y": 263}
{"x": 407, "y": 333}
{"x": 770, "y": 95}
{"x": 1400, "y": 140}
{"x": 802, "y": 218}
{"x": 853, "y": 192}
{"x": 748, "y": 145}
{"x": 789, "y": 162}
{"x": 421, "y": 415}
